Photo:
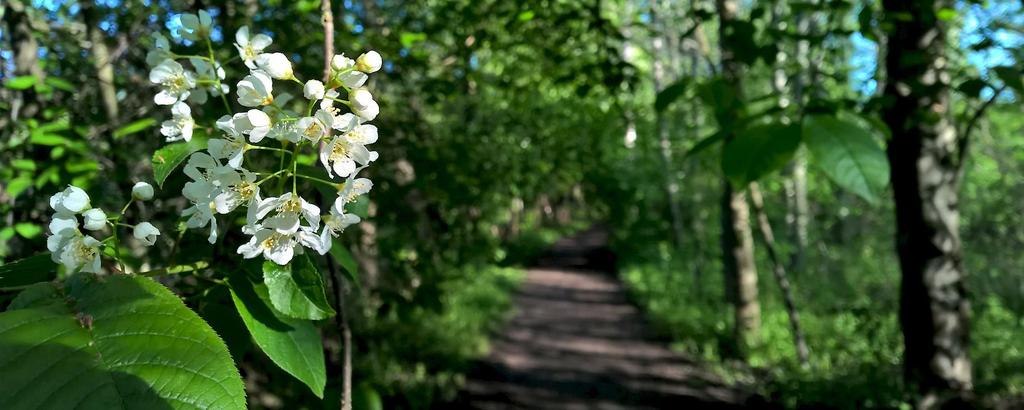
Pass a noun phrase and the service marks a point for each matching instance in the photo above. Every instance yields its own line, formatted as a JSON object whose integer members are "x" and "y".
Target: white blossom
{"x": 316, "y": 127}
{"x": 313, "y": 90}
{"x": 71, "y": 200}
{"x": 344, "y": 69}
{"x": 345, "y": 151}
{"x": 255, "y": 89}
{"x": 254, "y": 123}
{"x": 250, "y": 46}
{"x": 367, "y": 112}
{"x": 94, "y": 219}
{"x": 175, "y": 82}
{"x": 181, "y": 124}
{"x": 279, "y": 247}
{"x": 207, "y": 73}
{"x": 142, "y": 191}
{"x": 369, "y": 62}
{"x": 161, "y": 50}
{"x": 289, "y": 208}
{"x": 61, "y": 222}
{"x": 146, "y": 233}
{"x": 77, "y": 252}
{"x": 196, "y": 27}
{"x": 275, "y": 64}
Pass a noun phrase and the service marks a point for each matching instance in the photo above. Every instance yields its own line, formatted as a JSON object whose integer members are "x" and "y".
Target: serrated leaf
{"x": 758, "y": 151}
{"x": 297, "y": 289}
{"x": 848, "y": 154}
{"x": 292, "y": 344}
{"x": 670, "y": 94}
{"x": 166, "y": 159}
{"x": 134, "y": 127}
{"x": 112, "y": 342}
{"x": 33, "y": 269}
{"x": 347, "y": 262}
{"x": 21, "y": 82}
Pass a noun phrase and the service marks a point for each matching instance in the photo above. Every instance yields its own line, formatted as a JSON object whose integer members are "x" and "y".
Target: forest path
{"x": 576, "y": 342}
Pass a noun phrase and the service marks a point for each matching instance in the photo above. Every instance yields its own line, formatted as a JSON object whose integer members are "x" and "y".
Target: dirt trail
{"x": 576, "y": 342}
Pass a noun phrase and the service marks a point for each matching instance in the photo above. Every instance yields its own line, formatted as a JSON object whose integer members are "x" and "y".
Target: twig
{"x": 780, "y": 273}
{"x": 328, "y": 20}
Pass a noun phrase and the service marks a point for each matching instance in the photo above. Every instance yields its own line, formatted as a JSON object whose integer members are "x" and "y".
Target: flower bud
{"x": 142, "y": 191}
{"x": 146, "y": 233}
{"x": 275, "y": 64}
{"x": 313, "y": 90}
{"x": 369, "y": 62}
{"x": 73, "y": 200}
{"x": 340, "y": 62}
{"x": 94, "y": 219}
{"x": 360, "y": 98}
{"x": 367, "y": 112}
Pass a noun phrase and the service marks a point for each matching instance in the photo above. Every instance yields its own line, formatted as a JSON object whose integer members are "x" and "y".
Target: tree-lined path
{"x": 576, "y": 342}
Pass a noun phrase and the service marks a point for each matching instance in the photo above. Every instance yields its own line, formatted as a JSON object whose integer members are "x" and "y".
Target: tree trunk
{"x": 26, "y": 55}
{"x": 101, "y": 61}
{"x": 664, "y": 140}
{"x": 737, "y": 242}
{"x": 934, "y": 308}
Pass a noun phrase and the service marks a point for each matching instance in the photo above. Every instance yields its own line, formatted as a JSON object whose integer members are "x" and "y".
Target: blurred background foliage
{"x": 505, "y": 124}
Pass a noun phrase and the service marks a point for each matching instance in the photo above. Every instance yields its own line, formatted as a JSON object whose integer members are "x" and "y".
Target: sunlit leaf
{"x": 166, "y": 159}
{"x": 21, "y": 83}
{"x": 297, "y": 289}
{"x": 134, "y": 127}
{"x": 112, "y": 342}
{"x": 848, "y": 154}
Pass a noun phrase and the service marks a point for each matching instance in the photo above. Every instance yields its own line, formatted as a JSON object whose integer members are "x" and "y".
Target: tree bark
{"x": 737, "y": 242}
{"x": 664, "y": 138}
{"x": 767, "y": 235}
{"x": 101, "y": 61}
{"x": 934, "y": 306}
{"x": 24, "y": 104}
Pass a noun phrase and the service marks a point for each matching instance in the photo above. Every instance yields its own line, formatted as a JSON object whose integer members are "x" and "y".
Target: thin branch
{"x": 779, "y": 270}
{"x": 328, "y": 21}
{"x": 963, "y": 144}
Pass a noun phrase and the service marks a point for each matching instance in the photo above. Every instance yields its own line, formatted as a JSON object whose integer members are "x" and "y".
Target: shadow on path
{"x": 576, "y": 342}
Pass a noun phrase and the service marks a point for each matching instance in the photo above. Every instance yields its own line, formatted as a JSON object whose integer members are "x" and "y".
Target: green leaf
{"x": 166, "y": 159}
{"x": 24, "y": 164}
{"x": 758, "y": 151}
{"x": 359, "y": 207}
{"x": 848, "y": 154}
{"x": 946, "y": 14}
{"x": 297, "y": 289}
{"x": 28, "y": 230}
{"x": 347, "y": 262}
{"x": 60, "y": 84}
{"x": 47, "y": 139}
{"x": 705, "y": 143}
{"x": 670, "y": 94}
{"x": 134, "y": 127}
{"x": 409, "y": 39}
{"x": 365, "y": 397}
{"x": 19, "y": 185}
{"x": 112, "y": 342}
{"x": 526, "y": 15}
{"x": 1010, "y": 76}
{"x": 292, "y": 344}
{"x": 972, "y": 88}
{"x": 21, "y": 82}
{"x": 33, "y": 269}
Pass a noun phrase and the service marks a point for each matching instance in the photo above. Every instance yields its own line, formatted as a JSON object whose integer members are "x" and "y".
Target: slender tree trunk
{"x": 934, "y": 307}
{"x": 664, "y": 139}
{"x": 795, "y": 184}
{"x": 737, "y": 242}
{"x": 26, "y": 55}
{"x": 101, "y": 61}
{"x": 765, "y": 227}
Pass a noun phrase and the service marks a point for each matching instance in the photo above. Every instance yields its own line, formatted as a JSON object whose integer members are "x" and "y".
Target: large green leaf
{"x": 166, "y": 159}
{"x": 759, "y": 150}
{"x": 292, "y": 344}
{"x": 117, "y": 342}
{"x": 670, "y": 94}
{"x": 297, "y": 289}
{"x": 33, "y": 269}
{"x": 848, "y": 154}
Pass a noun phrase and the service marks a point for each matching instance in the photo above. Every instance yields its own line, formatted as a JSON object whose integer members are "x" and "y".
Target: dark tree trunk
{"x": 934, "y": 309}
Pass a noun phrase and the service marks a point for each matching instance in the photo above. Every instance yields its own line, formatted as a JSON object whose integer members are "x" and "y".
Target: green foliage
{"x": 167, "y": 159}
{"x": 670, "y": 94}
{"x": 297, "y": 289}
{"x": 33, "y": 269}
{"x": 848, "y": 154}
{"x": 293, "y": 344}
{"x": 758, "y": 151}
{"x": 120, "y": 341}
{"x": 134, "y": 127}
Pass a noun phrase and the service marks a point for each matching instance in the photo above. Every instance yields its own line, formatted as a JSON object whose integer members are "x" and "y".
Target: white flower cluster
{"x": 280, "y": 226}
{"x": 74, "y": 249}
